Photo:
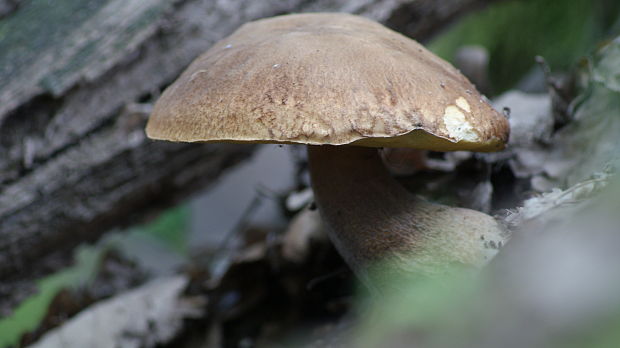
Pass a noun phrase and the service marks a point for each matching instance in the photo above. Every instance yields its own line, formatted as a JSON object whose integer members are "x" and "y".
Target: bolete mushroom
{"x": 345, "y": 86}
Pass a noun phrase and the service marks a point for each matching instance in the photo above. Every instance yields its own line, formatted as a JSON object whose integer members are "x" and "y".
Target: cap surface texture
{"x": 326, "y": 79}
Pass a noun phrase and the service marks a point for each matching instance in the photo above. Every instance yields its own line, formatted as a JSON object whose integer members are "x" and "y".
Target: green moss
{"x": 54, "y": 80}
{"x": 51, "y": 30}
{"x": 89, "y": 52}
{"x": 38, "y": 26}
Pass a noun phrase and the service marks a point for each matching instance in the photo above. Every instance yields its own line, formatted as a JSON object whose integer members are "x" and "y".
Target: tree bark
{"x": 78, "y": 80}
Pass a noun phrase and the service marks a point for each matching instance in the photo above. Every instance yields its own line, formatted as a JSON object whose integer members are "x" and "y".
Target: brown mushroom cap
{"x": 326, "y": 79}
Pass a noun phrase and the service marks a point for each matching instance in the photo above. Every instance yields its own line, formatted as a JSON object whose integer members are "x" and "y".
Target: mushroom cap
{"x": 326, "y": 78}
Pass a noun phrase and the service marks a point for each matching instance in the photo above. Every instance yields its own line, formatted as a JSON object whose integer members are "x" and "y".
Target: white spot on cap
{"x": 276, "y": 66}
{"x": 228, "y": 46}
{"x": 463, "y": 104}
{"x": 457, "y": 126}
{"x": 379, "y": 127}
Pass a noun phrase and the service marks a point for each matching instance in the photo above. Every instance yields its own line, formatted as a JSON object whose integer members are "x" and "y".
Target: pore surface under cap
{"x": 326, "y": 79}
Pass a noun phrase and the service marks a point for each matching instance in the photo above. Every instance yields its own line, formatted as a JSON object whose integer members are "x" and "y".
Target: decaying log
{"x": 77, "y": 79}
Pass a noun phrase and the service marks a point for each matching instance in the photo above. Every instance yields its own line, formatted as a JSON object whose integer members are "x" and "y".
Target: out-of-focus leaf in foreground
{"x": 557, "y": 283}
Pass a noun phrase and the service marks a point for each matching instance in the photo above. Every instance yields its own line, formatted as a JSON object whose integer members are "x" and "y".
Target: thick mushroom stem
{"x": 370, "y": 217}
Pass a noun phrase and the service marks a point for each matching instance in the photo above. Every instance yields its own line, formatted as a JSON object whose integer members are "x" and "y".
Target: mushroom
{"x": 345, "y": 86}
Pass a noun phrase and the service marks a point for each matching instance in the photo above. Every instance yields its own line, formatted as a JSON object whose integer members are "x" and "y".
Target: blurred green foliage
{"x": 515, "y": 32}
{"x": 29, "y": 314}
{"x": 416, "y": 313}
{"x": 169, "y": 229}
{"x": 461, "y": 311}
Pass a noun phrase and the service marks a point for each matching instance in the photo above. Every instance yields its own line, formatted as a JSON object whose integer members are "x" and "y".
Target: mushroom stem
{"x": 370, "y": 217}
